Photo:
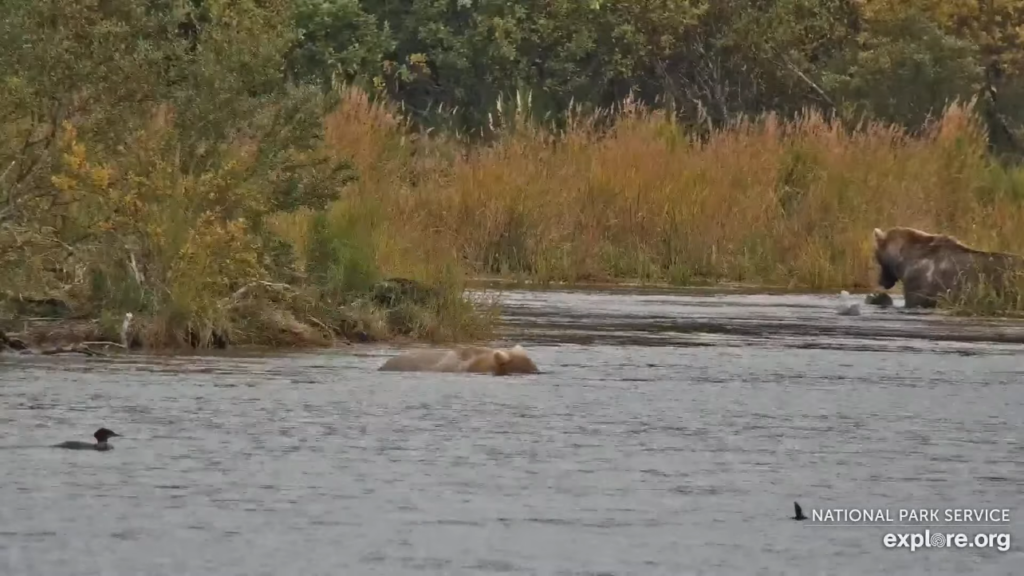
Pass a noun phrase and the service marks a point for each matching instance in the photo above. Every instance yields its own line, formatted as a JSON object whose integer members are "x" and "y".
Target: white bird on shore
{"x": 847, "y": 308}
{"x": 124, "y": 328}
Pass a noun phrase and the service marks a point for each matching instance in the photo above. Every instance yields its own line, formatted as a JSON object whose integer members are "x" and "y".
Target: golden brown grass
{"x": 762, "y": 201}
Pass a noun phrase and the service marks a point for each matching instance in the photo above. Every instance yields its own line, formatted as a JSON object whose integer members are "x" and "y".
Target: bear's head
{"x": 513, "y": 361}
{"x": 888, "y": 254}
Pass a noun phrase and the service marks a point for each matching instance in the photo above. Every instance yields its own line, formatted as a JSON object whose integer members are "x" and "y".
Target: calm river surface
{"x": 668, "y": 435}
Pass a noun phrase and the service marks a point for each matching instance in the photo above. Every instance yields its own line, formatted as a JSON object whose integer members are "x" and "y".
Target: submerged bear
{"x": 935, "y": 265}
{"x": 470, "y": 359}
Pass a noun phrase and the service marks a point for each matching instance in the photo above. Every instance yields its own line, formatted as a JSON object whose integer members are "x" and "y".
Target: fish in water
{"x": 878, "y": 299}
{"x": 101, "y": 435}
{"x": 848, "y": 307}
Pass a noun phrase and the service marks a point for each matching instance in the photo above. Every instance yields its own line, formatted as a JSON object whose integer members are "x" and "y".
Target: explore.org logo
{"x": 929, "y": 539}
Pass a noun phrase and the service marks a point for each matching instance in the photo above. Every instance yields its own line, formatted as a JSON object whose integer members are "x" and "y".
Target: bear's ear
{"x": 517, "y": 349}
{"x": 879, "y": 237}
{"x": 501, "y": 357}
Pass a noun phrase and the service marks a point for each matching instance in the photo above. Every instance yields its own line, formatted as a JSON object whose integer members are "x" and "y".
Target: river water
{"x": 669, "y": 434}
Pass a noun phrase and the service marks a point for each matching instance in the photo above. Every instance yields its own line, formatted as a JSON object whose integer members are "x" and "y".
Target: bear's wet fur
{"x": 933, "y": 265}
{"x": 469, "y": 359}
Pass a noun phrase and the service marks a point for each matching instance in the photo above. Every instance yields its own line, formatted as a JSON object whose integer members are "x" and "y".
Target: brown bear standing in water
{"x": 931, "y": 265}
{"x": 472, "y": 359}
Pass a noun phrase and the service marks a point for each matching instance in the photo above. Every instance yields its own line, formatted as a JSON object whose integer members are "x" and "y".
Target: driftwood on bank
{"x": 9, "y": 343}
{"x": 261, "y": 312}
{"x": 73, "y": 349}
{"x": 293, "y": 318}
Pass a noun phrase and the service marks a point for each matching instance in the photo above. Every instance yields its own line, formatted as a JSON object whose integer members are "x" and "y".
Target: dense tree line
{"x": 710, "y": 61}
{"x": 451, "y": 61}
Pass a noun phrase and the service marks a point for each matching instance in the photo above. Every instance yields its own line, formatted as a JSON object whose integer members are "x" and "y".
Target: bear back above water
{"x": 468, "y": 359}
{"x": 933, "y": 265}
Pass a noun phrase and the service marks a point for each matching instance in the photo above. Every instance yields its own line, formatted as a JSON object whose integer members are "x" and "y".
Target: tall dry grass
{"x": 368, "y": 228}
{"x": 762, "y": 201}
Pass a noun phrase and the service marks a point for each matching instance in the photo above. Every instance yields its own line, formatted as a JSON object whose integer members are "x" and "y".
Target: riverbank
{"x": 259, "y": 315}
{"x": 226, "y": 257}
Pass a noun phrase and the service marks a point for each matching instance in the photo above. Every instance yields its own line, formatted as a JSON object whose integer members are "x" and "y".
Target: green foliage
{"x": 460, "y": 64}
{"x": 339, "y": 257}
{"x": 451, "y": 62}
{"x": 141, "y": 163}
{"x": 905, "y": 70}
{"x": 338, "y": 40}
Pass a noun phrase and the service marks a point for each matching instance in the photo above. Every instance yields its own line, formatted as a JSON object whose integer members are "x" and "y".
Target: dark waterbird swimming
{"x": 101, "y": 435}
{"x": 799, "y": 512}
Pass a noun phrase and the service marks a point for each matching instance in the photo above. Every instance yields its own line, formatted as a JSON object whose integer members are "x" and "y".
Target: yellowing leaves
{"x": 101, "y": 177}
{"x": 191, "y": 229}
{"x": 77, "y": 172}
{"x": 217, "y": 253}
{"x": 996, "y": 27}
{"x": 63, "y": 183}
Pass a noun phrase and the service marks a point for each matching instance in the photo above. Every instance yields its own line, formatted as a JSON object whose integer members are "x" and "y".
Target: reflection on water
{"x": 667, "y": 435}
